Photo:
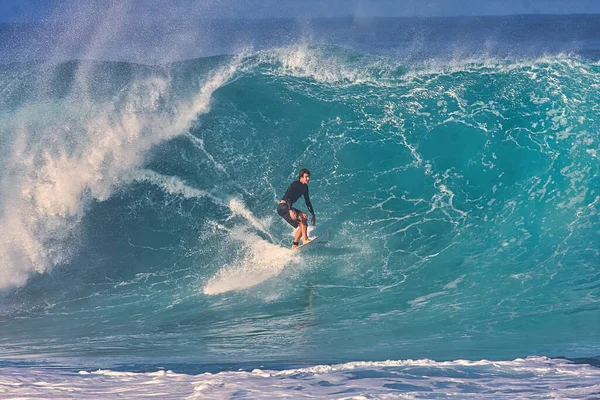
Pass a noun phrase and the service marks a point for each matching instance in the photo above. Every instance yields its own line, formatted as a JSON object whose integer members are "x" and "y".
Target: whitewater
{"x": 141, "y": 252}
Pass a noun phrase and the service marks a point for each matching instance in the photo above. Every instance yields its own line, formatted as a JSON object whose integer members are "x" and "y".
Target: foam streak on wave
{"x": 176, "y": 186}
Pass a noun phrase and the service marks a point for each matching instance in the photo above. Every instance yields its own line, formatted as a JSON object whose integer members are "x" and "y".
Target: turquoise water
{"x": 138, "y": 209}
{"x": 461, "y": 197}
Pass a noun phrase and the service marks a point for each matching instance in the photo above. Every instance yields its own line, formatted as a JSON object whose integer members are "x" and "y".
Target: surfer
{"x": 292, "y": 215}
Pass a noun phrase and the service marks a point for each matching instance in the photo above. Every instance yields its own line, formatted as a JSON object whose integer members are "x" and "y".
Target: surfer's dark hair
{"x": 302, "y": 172}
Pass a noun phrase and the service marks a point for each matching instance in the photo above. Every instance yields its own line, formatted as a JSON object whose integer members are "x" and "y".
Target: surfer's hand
{"x": 293, "y": 214}
{"x": 313, "y": 220}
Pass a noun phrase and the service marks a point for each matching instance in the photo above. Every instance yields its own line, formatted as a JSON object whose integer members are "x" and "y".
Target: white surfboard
{"x": 323, "y": 237}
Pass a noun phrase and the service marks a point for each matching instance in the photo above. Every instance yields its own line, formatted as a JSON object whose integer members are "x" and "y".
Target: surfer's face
{"x": 305, "y": 178}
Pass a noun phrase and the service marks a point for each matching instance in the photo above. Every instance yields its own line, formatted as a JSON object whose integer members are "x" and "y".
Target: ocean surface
{"x": 454, "y": 161}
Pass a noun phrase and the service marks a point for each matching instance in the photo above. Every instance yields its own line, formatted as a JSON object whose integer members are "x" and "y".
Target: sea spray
{"x": 55, "y": 170}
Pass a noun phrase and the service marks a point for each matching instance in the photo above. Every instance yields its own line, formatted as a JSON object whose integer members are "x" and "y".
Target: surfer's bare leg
{"x": 297, "y": 237}
{"x": 303, "y": 228}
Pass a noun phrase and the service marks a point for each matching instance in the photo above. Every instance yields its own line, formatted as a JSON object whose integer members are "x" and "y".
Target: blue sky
{"x": 34, "y": 10}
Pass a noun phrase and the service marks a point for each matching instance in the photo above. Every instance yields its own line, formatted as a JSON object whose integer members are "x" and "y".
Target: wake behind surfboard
{"x": 323, "y": 237}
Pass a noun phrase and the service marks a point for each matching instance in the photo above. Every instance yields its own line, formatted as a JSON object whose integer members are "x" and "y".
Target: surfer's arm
{"x": 308, "y": 203}
{"x": 290, "y": 210}
{"x": 313, "y": 219}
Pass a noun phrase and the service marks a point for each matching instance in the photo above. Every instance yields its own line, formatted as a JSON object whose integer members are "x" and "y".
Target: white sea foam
{"x": 324, "y": 65}
{"x": 533, "y": 377}
{"x": 258, "y": 261}
{"x": 304, "y": 61}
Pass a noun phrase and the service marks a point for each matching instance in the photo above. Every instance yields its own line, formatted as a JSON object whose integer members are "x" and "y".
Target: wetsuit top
{"x": 294, "y": 192}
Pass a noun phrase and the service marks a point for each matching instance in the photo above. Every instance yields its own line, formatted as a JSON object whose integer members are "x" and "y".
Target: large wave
{"x": 461, "y": 196}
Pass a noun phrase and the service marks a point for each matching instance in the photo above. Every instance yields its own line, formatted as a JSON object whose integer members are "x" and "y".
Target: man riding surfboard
{"x": 293, "y": 216}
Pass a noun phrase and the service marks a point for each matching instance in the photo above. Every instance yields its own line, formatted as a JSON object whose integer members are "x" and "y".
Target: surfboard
{"x": 323, "y": 237}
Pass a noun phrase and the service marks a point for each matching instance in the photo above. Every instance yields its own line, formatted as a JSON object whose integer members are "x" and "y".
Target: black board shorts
{"x": 283, "y": 210}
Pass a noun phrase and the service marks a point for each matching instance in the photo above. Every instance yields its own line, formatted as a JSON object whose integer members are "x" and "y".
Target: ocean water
{"x": 141, "y": 253}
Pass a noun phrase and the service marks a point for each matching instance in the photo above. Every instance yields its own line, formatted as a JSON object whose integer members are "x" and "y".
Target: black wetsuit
{"x": 292, "y": 194}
